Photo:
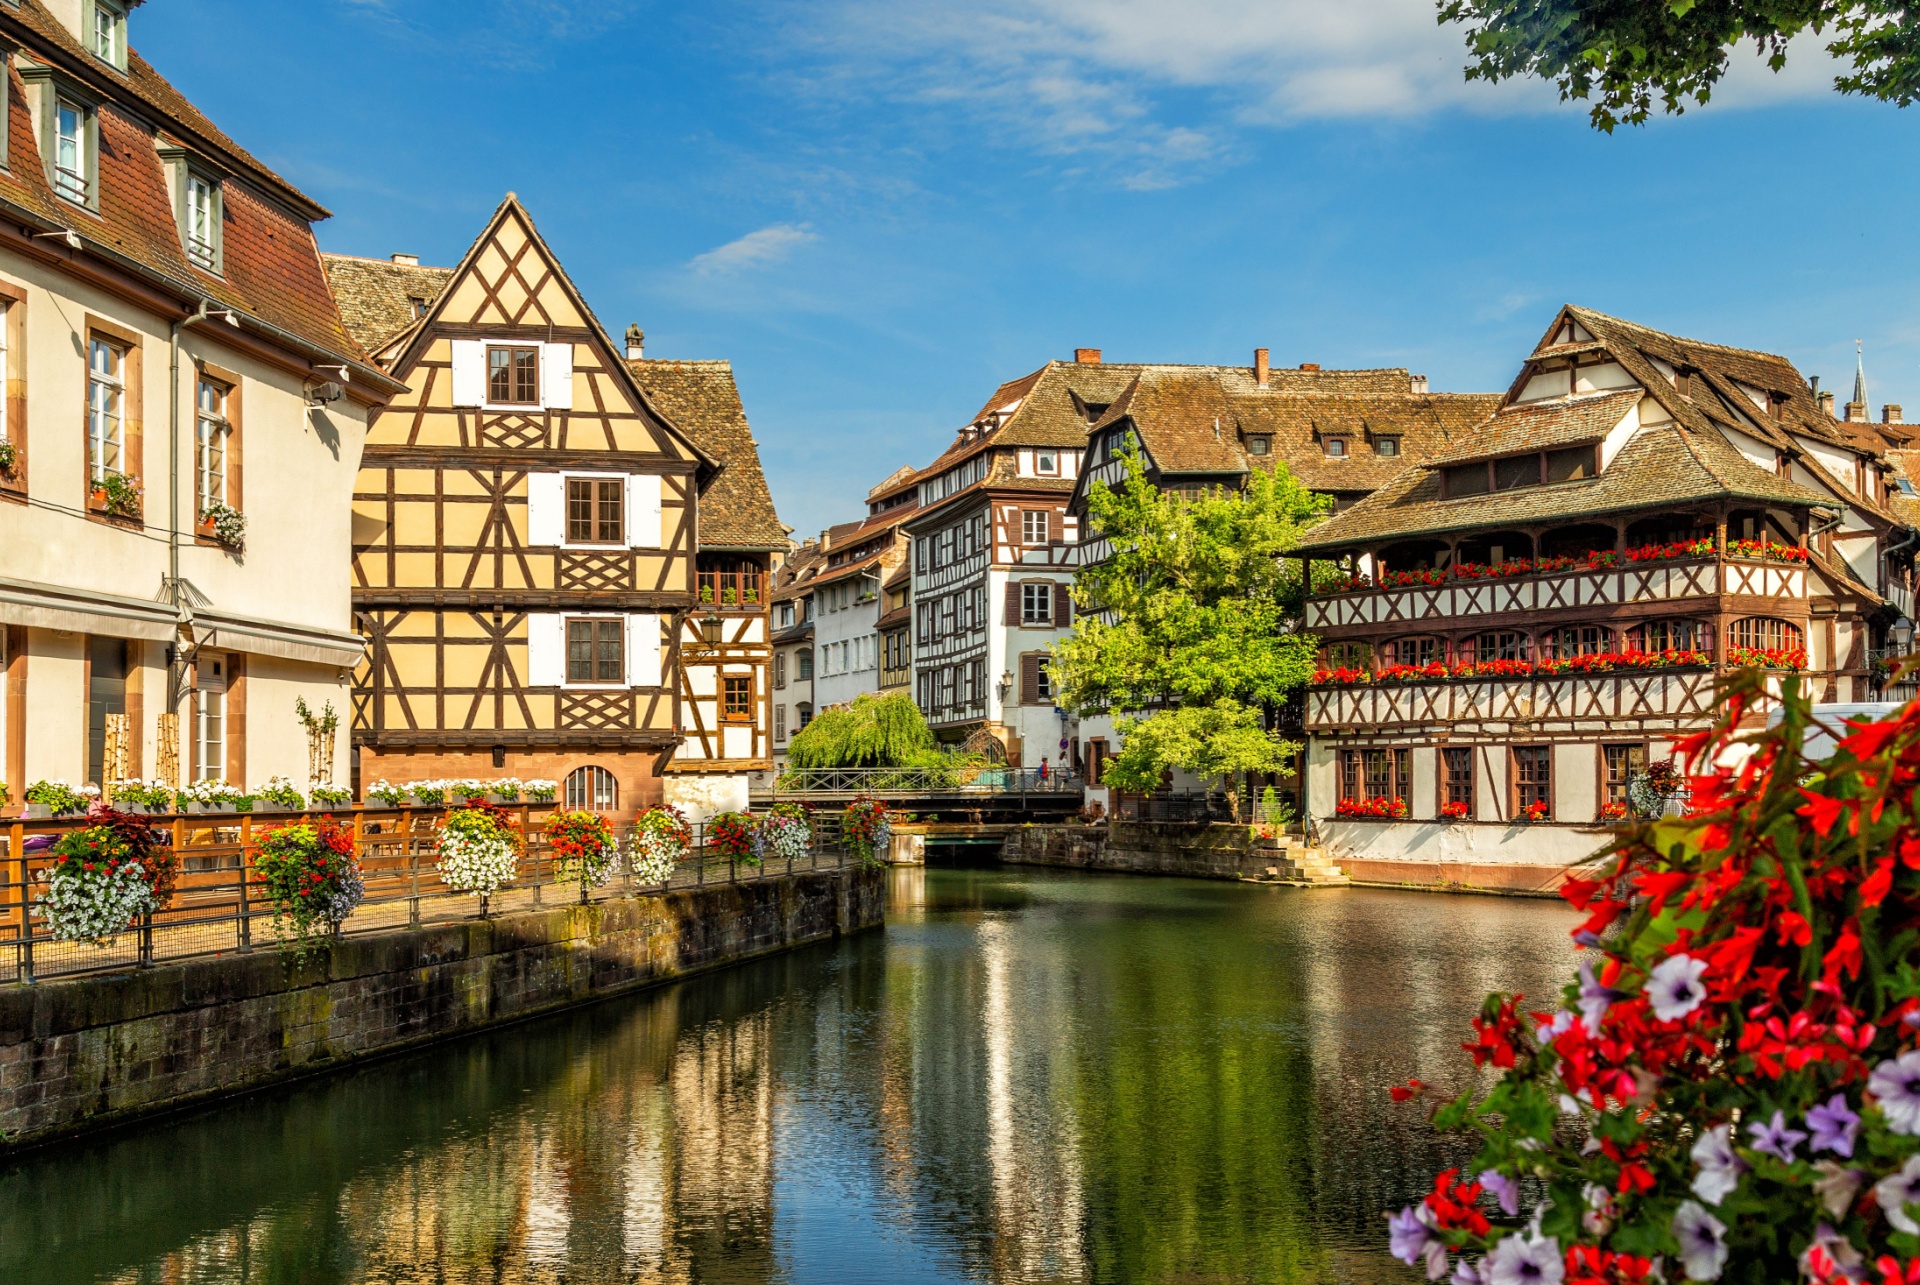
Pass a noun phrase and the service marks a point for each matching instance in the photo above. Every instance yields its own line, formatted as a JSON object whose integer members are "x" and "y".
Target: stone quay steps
{"x": 1289, "y": 860}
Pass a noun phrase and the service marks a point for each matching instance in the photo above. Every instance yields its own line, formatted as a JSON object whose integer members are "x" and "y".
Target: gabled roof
{"x": 1660, "y": 467}
{"x": 1538, "y": 426}
{"x": 376, "y": 296}
{"x": 701, "y": 398}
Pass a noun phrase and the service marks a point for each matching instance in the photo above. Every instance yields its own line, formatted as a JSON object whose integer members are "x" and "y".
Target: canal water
{"x": 1029, "y": 1076}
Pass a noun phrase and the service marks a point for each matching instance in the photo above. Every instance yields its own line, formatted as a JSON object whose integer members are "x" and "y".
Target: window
{"x": 1622, "y": 763}
{"x": 780, "y": 670}
{"x": 805, "y": 655}
{"x": 1506, "y": 644}
{"x": 210, "y": 718}
{"x": 1388, "y": 446}
{"x": 596, "y": 651}
{"x": 1413, "y": 651}
{"x": 737, "y": 699}
{"x": 592, "y": 789}
{"x": 108, "y": 38}
{"x": 106, "y": 696}
{"x": 1033, "y": 526}
{"x": 1579, "y": 640}
{"x": 1571, "y": 464}
{"x": 72, "y": 152}
{"x": 417, "y": 305}
{"x": 1465, "y": 479}
{"x": 1456, "y": 767}
{"x": 202, "y": 222}
{"x": 1042, "y": 681}
{"x": 1516, "y": 471}
{"x": 1046, "y": 462}
{"x": 513, "y": 376}
{"x": 1336, "y": 446}
{"x": 210, "y": 443}
{"x": 803, "y": 712}
{"x": 6, "y": 321}
{"x": 779, "y": 722}
{"x": 1533, "y": 778}
{"x": 1366, "y": 775}
{"x": 1036, "y": 603}
{"x": 1763, "y": 632}
{"x": 106, "y": 410}
{"x": 1671, "y": 635}
{"x": 594, "y": 510}
{"x": 1259, "y": 444}
{"x": 1349, "y": 655}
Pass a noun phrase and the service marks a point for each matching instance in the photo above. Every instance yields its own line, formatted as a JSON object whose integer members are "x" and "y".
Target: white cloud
{"x": 758, "y": 249}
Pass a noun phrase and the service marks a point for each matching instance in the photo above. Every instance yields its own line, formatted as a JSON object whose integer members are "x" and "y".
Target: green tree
{"x": 1186, "y": 634}
{"x": 1621, "y": 54}
{"x": 869, "y": 731}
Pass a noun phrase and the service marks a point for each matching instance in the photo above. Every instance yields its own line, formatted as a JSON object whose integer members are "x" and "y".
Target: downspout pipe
{"x": 176, "y": 674}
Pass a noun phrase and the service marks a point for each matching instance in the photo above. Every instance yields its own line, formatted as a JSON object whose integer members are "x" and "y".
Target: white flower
{"x": 476, "y": 860}
{"x": 1703, "y": 1241}
{"x": 1896, "y": 1084}
{"x": 1674, "y": 987}
{"x": 1898, "y": 1190}
{"x": 1720, "y": 1168}
{"x": 1525, "y": 1260}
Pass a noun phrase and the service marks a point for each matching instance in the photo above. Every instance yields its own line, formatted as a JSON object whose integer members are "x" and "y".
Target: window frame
{"x": 598, "y": 483}
{"x": 596, "y": 620}
{"x": 729, "y": 713}
{"x": 114, "y": 383}
{"x": 1028, "y": 524}
{"x": 116, "y": 31}
{"x": 1453, "y": 788}
{"x": 1387, "y": 446}
{"x": 209, "y": 257}
{"x": 86, "y": 147}
{"x": 1260, "y": 444}
{"x": 1354, "y": 775}
{"x": 1040, "y": 466}
{"x": 203, "y": 379}
{"x": 591, "y": 777}
{"x": 1337, "y": 448}
{"x": 1519, "y": 790}
{"x": 13, "y": 419}
{"x": 1615, "y": 791}
{"x": 512, "y": 371}
{"x": 1045, "y": 591}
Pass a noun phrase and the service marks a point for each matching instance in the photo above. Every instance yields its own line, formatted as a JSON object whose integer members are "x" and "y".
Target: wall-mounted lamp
{"x": 1006, "y": 683}
{"x": 710, "y": 628}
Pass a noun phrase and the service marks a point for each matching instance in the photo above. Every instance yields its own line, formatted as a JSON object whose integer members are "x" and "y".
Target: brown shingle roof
{"x": 1660, "y": 467}
{"x": 376, "y": 296}
{"x": 1533, "y": 426}
{"x": 702, "y": 400}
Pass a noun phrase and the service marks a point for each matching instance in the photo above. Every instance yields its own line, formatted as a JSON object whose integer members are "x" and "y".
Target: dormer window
{"x": 72, "y": 151}
{"x": 1046, "y": 463}
{"x": 201, "y": 220}
{"x": 1337, "y": 447}
{"x": 1388, "y": 446}
{"x": 107, "y": 33}
{"x": 1260, "y": 444}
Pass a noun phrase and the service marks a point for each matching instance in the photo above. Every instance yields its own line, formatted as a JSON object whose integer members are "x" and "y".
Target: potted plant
{"x": 428, "y": 794}
{"x": 213, "y": 797}
{"x": 1534, "y": 813}
{"x": 104, "y": 878}
{"x": 730, "y": 834}
{"x": 385, "y": 794}
{"x": 660, "y": 840}
{"x": 504, "y": 790}
{"x": 278, "y": 795}
{"x": 57, "y": 799}
{"x": 9, "y": 458}
{"x": 224, "y": 523}
{"x": 867, "y": 829}
{"x": 1454, "y": 812}
{"x": 583, "y": 847}
{"x": 310, "y": 875}
{"x": 330, "y": 796}
{"x": 143, "y": 798}
{"x": 783, "y": 834}
{"x": 706, "y": 593}
{"x": 540, "y": 791}
{"x": 729, "y": 595}
{"x": 5, "y": 797}
{"x": 479, "y": 851}
{"x": 1613, "y": 813}
{"x": 750, "y": 594}
{"x": 116, "y": 495}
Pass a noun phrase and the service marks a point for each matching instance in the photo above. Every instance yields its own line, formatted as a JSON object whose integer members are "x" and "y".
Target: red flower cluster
{"x": 1768, "y": 657}
{"x": 1702, "y": 548}
{"x": 1455, "y": 1205}
{"x": 1372, "y": 809}
{"x": 1454, "y": 811}
{"x": 1591, "y": 1265}
{"x": 1493, "y": 570}
{"x": 1418, "y": 576}
{"x": 1766, "y": 550}
{"x": 1411, "y": 673}
{"x": 1342, "y": 677}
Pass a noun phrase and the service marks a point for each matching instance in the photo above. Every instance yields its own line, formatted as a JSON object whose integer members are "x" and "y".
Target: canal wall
{"x": 82, "y": 1054}
{"x": 1138, "y": 847}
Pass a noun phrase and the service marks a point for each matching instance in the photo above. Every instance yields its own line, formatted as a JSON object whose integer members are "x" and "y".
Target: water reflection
{"x": 1029, "y": 1077}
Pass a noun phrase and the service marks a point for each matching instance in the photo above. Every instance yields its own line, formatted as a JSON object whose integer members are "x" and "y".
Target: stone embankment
{"x": 81, "y": 1054}
{"x": 1172, "y": 848}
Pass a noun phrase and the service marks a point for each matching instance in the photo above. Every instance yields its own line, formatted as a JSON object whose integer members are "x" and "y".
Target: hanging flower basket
{"x": 660, "y": 840}
{"x": 310, "y": 875}
{"x": 783, "y": 834}
{"x": 583, "y": 848}
{"x": 104, "y": 878}
{"x": 730, "y": 834}
{"x": 868, "y": 831}
{"x": 479, "y": 850}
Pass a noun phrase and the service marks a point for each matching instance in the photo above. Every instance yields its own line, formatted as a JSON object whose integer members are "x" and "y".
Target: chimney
{"x": 407, "y": 260}
{"x": 1826, "y": 403}
{"x": 1417, "y": 383}
{"x": 826, "y": 541}
{"x": 1856, "y": 412}
{"x": 1260, "y": 369}
{"x": 1890, "y": 413}
{"x": 636, "y": 343}
{"x": 1309, "y": 365}
{"x": 1086, "y": 356}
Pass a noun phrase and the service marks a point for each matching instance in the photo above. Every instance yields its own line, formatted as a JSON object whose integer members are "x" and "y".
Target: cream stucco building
{"x": 172, "y": 355}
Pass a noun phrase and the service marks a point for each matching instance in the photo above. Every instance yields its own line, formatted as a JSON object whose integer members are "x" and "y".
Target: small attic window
{"x": 1259, "y": 444}
{"x": 1389, "y": 446}
{"x": 1336, "y": 447}
{"x": 1046, "y": 463}
{"x": 417, "y": 305}
{"x": 107, "y": 32}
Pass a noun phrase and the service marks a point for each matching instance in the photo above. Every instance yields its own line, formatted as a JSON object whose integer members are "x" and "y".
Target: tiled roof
{"x": 702, "y": 400}
{"x": 794, "y": 579}
{"x": 848, "y": 570}
{"x": 1534, "y": 426}
{"x": 1659, "y": 468}
{"x": 900, "y": 615}
{"x": 376, "y": 296}
{"x": 270, "y": 263}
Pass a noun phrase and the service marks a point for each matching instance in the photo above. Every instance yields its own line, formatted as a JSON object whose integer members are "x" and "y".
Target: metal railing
{"x": 901, "y": 782}
{"x": 731, "y": 588}
{"x": 217, "y": 906}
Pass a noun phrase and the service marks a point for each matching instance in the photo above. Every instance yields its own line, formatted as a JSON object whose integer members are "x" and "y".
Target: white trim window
{"x": 1035, "y": 526}
{"x": 72, "y": 157}
{"x": 1036, "y": 603}
{"x": 6, "y": 423}
{"x": 108, "y": 39}
{"x": 106, "y": 409}
{"x": 203, "y": 222}
{"x": 1046, "y": 463}
{"x": 210, "y": 442}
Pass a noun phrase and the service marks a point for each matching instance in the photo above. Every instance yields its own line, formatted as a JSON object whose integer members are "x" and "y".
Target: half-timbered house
{"x": 793, "y": 629}
{"x": 527, "y": 527}
{"x": 1534, "y": 614}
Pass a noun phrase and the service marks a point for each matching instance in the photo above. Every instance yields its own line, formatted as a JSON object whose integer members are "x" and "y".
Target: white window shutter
{"x": 643, "y": 649}
{"x": 546, "y": 650}
{"x": 643, "y": 510}
{"x": 556, "y": 375}
{"x": 469, "y": 372}
{"x": 546, "y": 509}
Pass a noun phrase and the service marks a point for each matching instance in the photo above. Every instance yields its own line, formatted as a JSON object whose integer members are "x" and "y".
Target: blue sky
{"x": 879, "y": 210}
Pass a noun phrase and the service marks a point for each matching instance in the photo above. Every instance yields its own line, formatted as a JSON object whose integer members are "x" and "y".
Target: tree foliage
{"x": 1186, "y": 633}
{"x": 1622, "y": 54}
{"x": 871, "y": 731}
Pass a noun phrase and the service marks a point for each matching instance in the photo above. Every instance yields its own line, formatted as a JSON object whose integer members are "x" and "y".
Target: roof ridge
{"x": 1682, "y": 339}
{"x": 385, "y": 263}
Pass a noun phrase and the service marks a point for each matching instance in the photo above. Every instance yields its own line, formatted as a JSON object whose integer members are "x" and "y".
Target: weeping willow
{"x": 872, "y": 731}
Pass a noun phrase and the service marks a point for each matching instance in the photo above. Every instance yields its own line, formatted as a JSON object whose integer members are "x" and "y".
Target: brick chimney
{"x": 1309, "y": 365}
{"x": 1826, "y": 403}
{"x": 1260, "y": 367}
{"x": 407, "y": 260}
{"x": 1086, "y": 356}
{"x": 636, "y": 343}
{"x": 1890, "y": 413}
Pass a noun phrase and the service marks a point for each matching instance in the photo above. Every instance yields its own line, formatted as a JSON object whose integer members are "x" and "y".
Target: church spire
{"x": 1860, "y": 375}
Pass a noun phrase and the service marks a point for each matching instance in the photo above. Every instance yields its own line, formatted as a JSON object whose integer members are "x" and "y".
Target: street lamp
{"x": 710, "y": 628}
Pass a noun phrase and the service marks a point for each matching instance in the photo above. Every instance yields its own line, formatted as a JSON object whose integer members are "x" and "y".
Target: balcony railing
{"x": 1567, "y": 590}
{"x": 217, "y": 907}
{"x": 738, "y": 589}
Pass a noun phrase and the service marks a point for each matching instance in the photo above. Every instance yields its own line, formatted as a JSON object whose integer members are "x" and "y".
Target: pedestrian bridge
{"x": 974, "y": 793}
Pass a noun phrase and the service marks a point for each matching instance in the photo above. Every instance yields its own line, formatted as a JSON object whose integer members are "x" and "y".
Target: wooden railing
{"x": 735, "y": 589}
{"x": 216, "y": 906}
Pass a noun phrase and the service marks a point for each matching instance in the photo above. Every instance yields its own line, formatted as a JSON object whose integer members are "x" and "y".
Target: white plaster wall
{"x": 848, "y": 625}
{"x": 1541, "y": 845}
{"x": 1759, "y": 452}
{"x": 1426, "y": 781}
{"x": 56, "y": 708}
{"x": 1576, "y": 788}
{"x": 1489, "y": 785}
{"x": 701, "y": 797}
{"x": 1322, "y": 788}
{"x": 1604, "y": 377}
{"x": 276, "y": 742}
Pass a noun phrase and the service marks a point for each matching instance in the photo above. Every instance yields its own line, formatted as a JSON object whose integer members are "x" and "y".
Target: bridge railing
{"x": 898, "y": 782}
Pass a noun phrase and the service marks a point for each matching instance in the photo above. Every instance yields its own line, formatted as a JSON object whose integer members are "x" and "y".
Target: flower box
{"x": 500, "y": 799}
{"x": 196, "y": 806}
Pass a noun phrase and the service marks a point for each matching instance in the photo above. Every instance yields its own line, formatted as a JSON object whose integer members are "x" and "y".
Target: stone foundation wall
{"x": 1139, "y": 847}
{"x": 80, "y": 1054}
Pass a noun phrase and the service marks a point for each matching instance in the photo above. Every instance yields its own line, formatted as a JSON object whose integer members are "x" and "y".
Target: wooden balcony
{"x": 732, "y": 590}
{"x": 1640, "y": 582}
{"x": 1671, "y": 697}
